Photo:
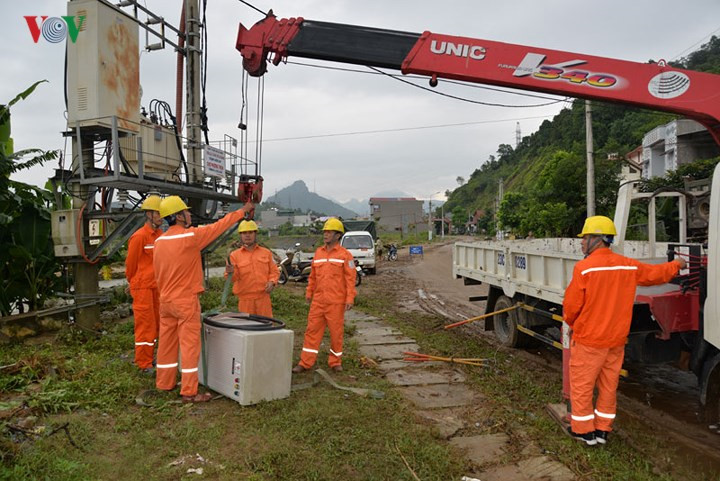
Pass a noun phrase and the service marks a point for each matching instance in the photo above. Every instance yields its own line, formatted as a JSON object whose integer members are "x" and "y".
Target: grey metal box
{"x": 247, "y": 366}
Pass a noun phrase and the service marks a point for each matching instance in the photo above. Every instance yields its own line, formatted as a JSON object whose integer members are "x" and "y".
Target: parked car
{"x": 362, "y": 247}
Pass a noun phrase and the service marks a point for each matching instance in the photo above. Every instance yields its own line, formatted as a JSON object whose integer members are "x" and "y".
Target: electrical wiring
{"x": 161, "y": 112}
{"x": 404, "y": 129}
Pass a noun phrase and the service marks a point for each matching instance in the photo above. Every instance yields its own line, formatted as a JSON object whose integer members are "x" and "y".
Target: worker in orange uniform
{"x": 254, "y": 272}
{"x": 330, "y": 292}
{"x": 598, "y": 308}
{"x": 143, "y": 288}
{"x": 179, "y": 276}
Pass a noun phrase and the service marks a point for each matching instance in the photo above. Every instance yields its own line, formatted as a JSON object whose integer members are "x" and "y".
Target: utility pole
{"x": 85, "y": 273}
{"x": 193, "y": 124}
{"x": 589, "y": 161}
{"x": 430, "y": 222}
{"x": 501, "y": 193}
{"x": 442, "y": 224}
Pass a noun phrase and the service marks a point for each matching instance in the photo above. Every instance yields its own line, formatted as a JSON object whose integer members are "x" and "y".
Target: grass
{"x": 317, "y": 434}
{"x": 517, "y": 393}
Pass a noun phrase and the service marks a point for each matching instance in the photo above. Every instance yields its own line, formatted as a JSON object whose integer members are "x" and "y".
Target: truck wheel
{"x": 710, "y": 391}
{"x": 505, "y": 325}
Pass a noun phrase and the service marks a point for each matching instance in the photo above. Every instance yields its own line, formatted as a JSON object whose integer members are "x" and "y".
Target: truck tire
{"x": 710, "y": 389}
{"x": 505, "y": 325}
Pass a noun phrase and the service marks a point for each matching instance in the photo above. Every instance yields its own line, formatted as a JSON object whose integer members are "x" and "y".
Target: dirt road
{"x": 661, "y": 398}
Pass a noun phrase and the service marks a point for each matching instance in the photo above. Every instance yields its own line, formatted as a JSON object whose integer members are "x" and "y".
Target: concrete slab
{"x": 383, "y": 352}
{"x": 445, "y": 422}
{"x": 376, "y": 340}
{"x": 533, "y": 469}
{"x": 354, "y": 315}
{"x": 362, "y": 325}
{"x": 482, "y": 449}
{"x": 439, "y": 395}
{"x": 419, "y": 377}
{"x": 377, "y": 331}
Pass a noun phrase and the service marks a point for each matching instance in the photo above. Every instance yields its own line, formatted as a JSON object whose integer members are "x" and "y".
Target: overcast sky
{"x": 303, "y": 101}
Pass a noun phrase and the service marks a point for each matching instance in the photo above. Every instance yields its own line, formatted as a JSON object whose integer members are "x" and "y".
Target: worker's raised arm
{"x": 205, "y": 234}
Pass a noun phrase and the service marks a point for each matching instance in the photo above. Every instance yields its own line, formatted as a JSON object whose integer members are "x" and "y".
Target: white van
{"x": 361, "y": 245}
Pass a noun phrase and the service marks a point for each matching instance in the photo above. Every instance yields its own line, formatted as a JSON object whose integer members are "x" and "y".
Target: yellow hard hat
{"x": 334, "y": 224}
{"x": 152, "y": 202}
{"x": 598, "y": 225}
{"x": 247, "y": 226}
{"x": 171, "y": 205}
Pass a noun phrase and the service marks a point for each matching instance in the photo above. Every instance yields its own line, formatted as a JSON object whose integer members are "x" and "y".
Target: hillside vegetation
{"x": 544, "y": 177}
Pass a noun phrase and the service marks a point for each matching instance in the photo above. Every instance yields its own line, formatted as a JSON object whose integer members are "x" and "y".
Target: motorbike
{"x": 297, "y": 267}
{"x": 392, "y": 252}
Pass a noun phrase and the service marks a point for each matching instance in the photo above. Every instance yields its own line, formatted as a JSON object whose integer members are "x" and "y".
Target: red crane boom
{"x": 657, "y": 86}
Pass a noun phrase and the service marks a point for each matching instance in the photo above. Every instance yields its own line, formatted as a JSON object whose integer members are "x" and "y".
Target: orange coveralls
{"x": 252, "y": 270}
{"x": 143, "y": 289}
{"x": 598, "y": 306}
{"x": 179, "y": 276}
{"x": 331, "y": 287}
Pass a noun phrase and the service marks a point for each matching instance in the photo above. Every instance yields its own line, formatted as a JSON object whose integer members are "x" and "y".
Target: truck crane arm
{"x": 656, "y": 86}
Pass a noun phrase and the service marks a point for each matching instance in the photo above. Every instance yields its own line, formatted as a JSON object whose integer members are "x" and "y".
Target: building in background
{"x": 398, "y": 214}
{"x": 631, "y": 168}
{"x": 669, "y": 146}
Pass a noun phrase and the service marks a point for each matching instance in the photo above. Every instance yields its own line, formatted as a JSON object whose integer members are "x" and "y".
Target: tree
{"x": 510, "y": 213}
{"x": 459, "y": 218}
{"x": 27, "y": 261}
{"x": 460, "y": 180}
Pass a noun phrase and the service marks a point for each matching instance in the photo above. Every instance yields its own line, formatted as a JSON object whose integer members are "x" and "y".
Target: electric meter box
{"x": 103, "y": 67}
{"x": 244, "y": 364}
{"x": 64, "y": 233}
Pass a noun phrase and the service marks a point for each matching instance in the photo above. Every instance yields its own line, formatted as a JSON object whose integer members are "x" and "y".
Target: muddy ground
{"x": 659, "y": 401}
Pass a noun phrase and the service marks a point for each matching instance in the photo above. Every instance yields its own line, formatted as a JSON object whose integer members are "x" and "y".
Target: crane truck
{"x": 683, "y": 317}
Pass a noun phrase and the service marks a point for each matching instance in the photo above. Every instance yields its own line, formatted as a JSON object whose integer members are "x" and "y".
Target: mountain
{"x": 297, "y": 196}
{"x": 361, "y": 206}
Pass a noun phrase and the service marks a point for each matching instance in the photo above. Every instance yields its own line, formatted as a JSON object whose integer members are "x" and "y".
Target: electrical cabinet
{"x": 103, "y": 68}
{"x": 64, "y": 233}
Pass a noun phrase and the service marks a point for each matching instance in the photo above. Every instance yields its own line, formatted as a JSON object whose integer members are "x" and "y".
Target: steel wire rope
{"x": 462, "y": 99}
{"x": 420, "y": 77}
{"x": 253, "y": 7}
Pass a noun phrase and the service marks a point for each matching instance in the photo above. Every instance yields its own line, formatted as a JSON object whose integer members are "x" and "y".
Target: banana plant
{"x": 28, "y": 268}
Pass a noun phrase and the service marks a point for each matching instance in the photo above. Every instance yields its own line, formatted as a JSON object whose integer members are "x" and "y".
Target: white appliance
{"x": 246, "y": 358}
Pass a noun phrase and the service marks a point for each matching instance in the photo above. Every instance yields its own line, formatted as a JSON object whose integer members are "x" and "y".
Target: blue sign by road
{"x": 416, "y": 250}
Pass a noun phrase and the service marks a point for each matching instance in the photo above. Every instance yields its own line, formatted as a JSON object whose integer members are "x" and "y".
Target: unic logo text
{"x": 475, "y": 52}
